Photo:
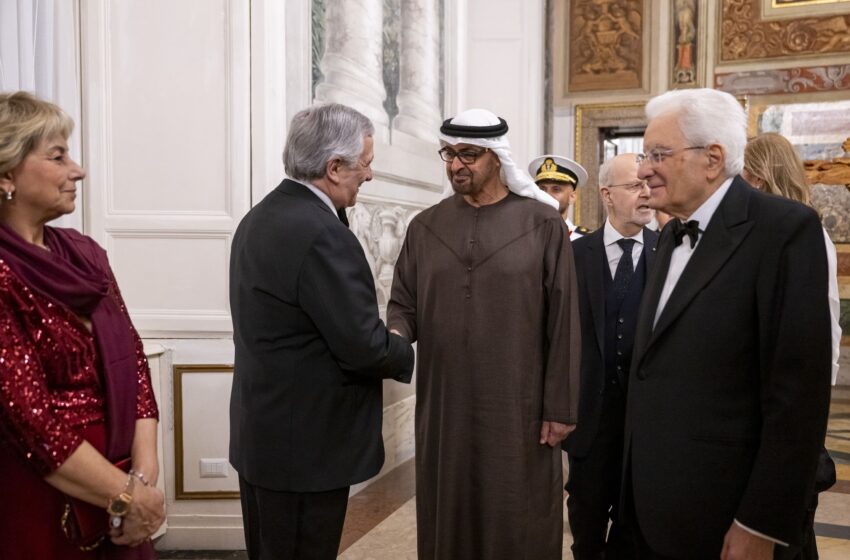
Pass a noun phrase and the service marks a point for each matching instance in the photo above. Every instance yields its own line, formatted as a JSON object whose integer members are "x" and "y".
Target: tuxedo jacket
{"x": 591, "y": 268}
{"x": 311, "y": 350}
{"x": 729, "y": 392}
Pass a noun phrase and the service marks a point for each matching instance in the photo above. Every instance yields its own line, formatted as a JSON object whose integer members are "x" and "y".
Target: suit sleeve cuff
{"x": 760, "y": 535}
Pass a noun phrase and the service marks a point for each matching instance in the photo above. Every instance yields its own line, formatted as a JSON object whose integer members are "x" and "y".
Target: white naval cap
{"x": 557, "y": 168}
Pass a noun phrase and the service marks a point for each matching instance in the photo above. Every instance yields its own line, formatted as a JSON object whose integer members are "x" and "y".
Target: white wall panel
{"x": 169, "y": 125}
{"x": 166, "y": 90}
{"x": 206, "y": 436}
{"x": 504, "y": 68}
{"x": 189, "y": 276}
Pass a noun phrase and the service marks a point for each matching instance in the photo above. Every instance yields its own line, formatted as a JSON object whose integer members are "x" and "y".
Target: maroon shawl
{"x": 75, "y": 273}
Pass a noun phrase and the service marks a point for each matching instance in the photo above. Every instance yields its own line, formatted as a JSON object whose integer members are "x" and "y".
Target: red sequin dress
{"x": 51, "y": 388}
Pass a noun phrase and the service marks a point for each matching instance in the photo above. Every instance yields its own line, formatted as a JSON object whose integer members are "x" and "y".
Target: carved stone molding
{"x": 791, "y": 80}
{"x": 591, "y": 121}
{"x": 381, "y": 228}
{"x": 606, "y": 44}
{"x": 746, "y": 36}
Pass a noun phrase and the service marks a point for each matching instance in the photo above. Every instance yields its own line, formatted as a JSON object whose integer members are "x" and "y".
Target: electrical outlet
{"x": 214, "y": 468}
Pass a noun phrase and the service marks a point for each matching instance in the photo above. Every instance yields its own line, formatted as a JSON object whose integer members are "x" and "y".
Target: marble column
{"x": 419, "y": 111}
{"x": 353, "y": 59}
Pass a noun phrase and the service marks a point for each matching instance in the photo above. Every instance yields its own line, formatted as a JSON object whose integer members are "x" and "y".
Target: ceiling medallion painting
{"x": 606, "y": 44}
{"x": 744, "y": 35}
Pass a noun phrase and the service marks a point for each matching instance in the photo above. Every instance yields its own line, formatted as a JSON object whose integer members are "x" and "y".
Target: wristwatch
{"x": 119, "y": 505}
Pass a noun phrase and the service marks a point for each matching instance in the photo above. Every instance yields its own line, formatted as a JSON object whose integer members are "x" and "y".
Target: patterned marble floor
{"x": 381, "y": 519}
{"x": 381, "y": 522}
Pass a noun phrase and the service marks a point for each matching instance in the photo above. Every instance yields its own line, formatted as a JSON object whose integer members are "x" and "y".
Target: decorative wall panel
{"x": 794, "y": 80}
{"x": 381, "y": 228}
{"x": 185, "y": 282}
{"x": 685, "y": 47}
{"x": 382, "y": 57}
{"x": 783, "y": 3}
{"x": 591, "y": 120}
{"x": 201, "y": 440}
{"x": 745, "y": 35}
{"x": 168, "y": 150}
{"x": 606, "y": 44}
{"x": 819, "y": 133}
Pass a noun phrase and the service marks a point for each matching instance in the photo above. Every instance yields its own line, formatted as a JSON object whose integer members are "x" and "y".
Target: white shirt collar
{"x": 322, "y": 196}
{"x": 611, "y": 235}
{"x": 704, "y": 213}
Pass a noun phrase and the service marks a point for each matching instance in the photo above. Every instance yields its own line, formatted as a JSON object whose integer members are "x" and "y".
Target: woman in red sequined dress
{"x": 75, "y": 389}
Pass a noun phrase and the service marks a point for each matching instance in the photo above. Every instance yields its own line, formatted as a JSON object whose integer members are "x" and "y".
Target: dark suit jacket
{"x": 729, "y": 393}
{"x": 311, "y": 350}
{"x": 591, "y": 268}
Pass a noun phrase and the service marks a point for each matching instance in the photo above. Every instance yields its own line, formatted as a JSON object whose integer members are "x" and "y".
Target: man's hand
{"x": 553, "y": 433}
{"x": 743, "y": 545}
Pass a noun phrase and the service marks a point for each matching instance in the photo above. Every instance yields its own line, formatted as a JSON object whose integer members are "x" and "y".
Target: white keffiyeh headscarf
{"x": 480, "y": 127}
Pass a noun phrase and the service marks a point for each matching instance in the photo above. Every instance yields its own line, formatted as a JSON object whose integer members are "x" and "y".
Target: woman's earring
{"x": 10, "y": 195}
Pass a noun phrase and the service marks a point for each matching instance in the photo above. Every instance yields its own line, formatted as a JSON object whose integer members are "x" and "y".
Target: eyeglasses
{"x": 466, "y": 156}
{"x": 657, "y": 155}
{"x": 631, "y": 188}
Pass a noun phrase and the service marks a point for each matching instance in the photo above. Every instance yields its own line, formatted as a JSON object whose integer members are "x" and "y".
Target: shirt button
{"x": 619, "y": 337}
{"x": 620, "y": 320}
{"x": 469, "y": 269}
{"x": 619, "y": 353}
{"x": 468, "y": 296}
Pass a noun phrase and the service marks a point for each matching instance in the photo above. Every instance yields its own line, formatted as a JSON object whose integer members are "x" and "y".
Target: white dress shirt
{"x": 613, "y": 251}
{"x": 322, "y": 196}
{"x": 682, "y": 253}
{"x": 572, "y": 227}
{"x": 834, "y": 303}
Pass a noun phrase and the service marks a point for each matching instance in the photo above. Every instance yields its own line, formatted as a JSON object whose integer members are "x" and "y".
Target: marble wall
{"x": 383, "y": 57}
{"x": 818, "y": 132}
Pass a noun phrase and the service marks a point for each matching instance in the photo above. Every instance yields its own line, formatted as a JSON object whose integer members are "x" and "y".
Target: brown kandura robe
{"x": 490, "y": 295}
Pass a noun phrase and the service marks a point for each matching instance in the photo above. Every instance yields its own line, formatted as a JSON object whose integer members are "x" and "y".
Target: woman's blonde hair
{"x": 25, "y": 122}
{"x": 773, "y": 159}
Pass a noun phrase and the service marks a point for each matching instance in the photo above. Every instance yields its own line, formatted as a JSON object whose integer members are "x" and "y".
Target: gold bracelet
{"x": 119, "y": 505}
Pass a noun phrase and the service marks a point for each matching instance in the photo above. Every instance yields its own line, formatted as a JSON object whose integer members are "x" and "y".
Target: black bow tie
{"x": 680, "y": 230}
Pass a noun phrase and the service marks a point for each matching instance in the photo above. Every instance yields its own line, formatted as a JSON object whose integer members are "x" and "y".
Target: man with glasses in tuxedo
{"x": 730, "y": 374}
{"x": 612, "y": 264}
{"x": 485, "y": 283}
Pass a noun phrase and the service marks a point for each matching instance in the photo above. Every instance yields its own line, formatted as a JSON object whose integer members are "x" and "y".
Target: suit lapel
{"x": 597, "y": 262}
{"x": 343, "y": 217}
{"x": 656, "y": 276}
{"x": 727, "y": 228}
{"x": 650, "y": 241}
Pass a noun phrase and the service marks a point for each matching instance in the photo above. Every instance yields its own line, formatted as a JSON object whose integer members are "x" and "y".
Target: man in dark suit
{"x": 611, "y": 264}
{"x": 311, "y": 350}
{"x": 729, "y": 386}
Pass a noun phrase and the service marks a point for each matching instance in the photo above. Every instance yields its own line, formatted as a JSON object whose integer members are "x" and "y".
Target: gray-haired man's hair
{"x": 320, "y": 134}
{"x": 605, "y": 173}
{"x": 706, "y": 116}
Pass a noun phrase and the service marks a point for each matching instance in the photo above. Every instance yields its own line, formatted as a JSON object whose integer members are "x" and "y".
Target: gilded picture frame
{"x": 180, "y": 374}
